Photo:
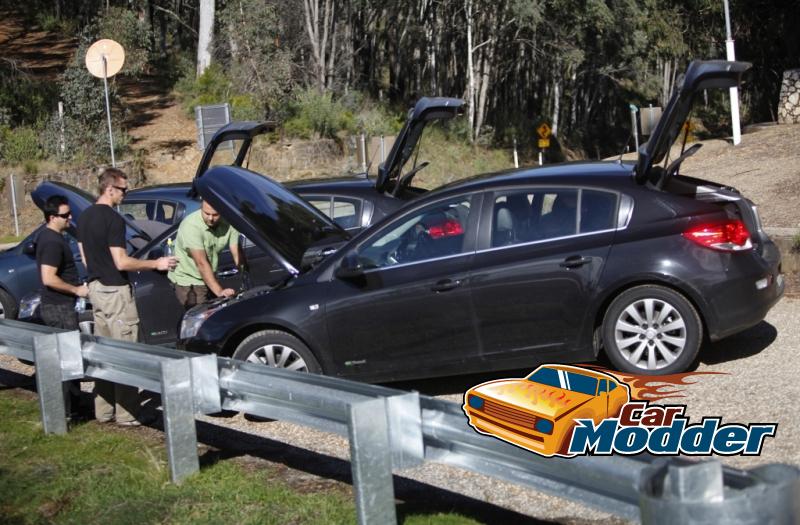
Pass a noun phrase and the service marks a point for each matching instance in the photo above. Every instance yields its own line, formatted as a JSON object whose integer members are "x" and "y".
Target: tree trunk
{"x": 470, "y": 71}
{"x": 205, "y": 35}
{"x": 556, "y": 103}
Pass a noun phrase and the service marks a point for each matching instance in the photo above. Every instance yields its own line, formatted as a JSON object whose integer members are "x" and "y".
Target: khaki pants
{"x": 115, "y": 316}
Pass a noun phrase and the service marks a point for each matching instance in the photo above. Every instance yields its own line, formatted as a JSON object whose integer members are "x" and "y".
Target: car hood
{"x": 544, "y": 400}
{"x": 699, "y": 76}
{"x": 275, "y": 218}
{"x": 78, "y": 200}
{"x": 425, "y": 110}
{"x": 244, "y": 131}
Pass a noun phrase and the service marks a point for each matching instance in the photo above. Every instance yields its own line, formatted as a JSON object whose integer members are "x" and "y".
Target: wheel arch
{"x": 691, "y": 295}
{"x": 236, "y": 338}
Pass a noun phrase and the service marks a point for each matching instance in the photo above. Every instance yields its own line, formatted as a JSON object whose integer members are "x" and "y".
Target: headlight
{"x": 475, "y": 402}
{"x": 192, "y": 321}
{"x": 28, "y": 305}
{"x": 545, "y": 426}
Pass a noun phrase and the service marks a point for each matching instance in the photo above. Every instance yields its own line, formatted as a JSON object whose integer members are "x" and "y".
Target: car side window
{"x": 603, "y": 387}
{"x": 165, "y": 212}
{"x": 532, "y": 215}
{"x": 345, "y": 211}
{"x": 598, "y": 210}
{"x": 438, "y": 230}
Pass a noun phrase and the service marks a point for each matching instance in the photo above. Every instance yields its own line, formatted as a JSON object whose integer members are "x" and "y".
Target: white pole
{"x": 363, "y": 153}
{"x": 731, "y": 55}
{"x": 14, "y": 204}
{"x": 383, "y": 149}
{"x": 108, "y": 112}
{"x": 540, "y": 158}
{"x": 61, "y": 141}
{"x": 634, "y": 126}
{"x": 516, "y": 158}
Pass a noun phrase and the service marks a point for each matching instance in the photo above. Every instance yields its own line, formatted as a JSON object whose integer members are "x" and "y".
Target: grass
{"x": 10, "y": 238}
{"x": 92, "y": 475}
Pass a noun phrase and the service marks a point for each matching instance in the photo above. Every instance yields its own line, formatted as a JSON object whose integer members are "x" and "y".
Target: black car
{"x": 153, "y": 215}
{"x": 504, "y": 270}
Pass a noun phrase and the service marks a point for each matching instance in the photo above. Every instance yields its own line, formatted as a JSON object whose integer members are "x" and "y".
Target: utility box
{"x": 649, "y": 117}
{"x": 209, "y": 119}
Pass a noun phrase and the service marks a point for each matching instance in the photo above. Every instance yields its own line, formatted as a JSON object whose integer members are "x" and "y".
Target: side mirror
{"x": 29, "y": 248}
{"x": 349, "y": 267}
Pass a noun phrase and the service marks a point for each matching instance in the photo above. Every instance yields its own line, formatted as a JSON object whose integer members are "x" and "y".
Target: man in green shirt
{"x": 202, "y": 235}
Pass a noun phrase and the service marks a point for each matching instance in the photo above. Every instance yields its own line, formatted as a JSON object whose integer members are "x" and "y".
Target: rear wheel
{"x": 278, "y": 349}
{"x": 652, "y": 330}
{"x": 8, "y": 306}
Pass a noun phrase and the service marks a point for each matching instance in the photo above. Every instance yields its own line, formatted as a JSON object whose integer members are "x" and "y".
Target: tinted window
{"x": 435, "y": 231}
{"x": 532, "y": 215}
{"x": 566, "y": 380}
{"x": 346, "y": 212}
{"x": 140, "y": 211}
{"x": 598, "y": 209}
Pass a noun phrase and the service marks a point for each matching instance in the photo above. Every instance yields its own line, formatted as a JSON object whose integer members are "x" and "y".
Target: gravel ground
{"x": 757, "y": 381}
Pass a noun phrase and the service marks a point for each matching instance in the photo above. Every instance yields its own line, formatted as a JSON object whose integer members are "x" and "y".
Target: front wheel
{"x": 278, "y": 349}
{"x": 8, "y": 306}
{"x": 652, "y": 330}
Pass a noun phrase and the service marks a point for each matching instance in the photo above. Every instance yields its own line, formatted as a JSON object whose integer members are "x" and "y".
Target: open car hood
{"x": 699, "y": 76}
{"x": 78, "y": 200}
{"x": 425, "y": 110}
{"x": 244, "y": 131}
{"x": 275, "y": 218}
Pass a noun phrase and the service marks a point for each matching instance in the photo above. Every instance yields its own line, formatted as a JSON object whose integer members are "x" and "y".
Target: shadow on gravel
{"x": 739, "y": 346}
{"x": 415, "y": 497}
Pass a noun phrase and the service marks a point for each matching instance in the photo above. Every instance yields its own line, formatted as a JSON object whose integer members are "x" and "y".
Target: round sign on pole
{"x": 105, "y": 50}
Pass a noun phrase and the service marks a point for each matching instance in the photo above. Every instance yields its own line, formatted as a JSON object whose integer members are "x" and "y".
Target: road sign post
{"x": 544, "y": 132}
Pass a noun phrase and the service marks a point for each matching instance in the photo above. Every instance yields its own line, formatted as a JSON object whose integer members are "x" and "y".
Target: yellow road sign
{"x": 544, "y": 143}
{"x": 543, "y": 131}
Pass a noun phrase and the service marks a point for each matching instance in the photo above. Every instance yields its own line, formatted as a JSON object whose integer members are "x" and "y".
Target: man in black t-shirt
{"x": 101, "y": 238}
{"x": 60, "y": 284}
{"x": 57, "y": 270}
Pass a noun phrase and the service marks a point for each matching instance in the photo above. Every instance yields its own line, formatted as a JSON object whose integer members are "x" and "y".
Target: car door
{"x": 160, "y": 313}
{"x": 539, "y": 258}
{"x": 411, "y": 307}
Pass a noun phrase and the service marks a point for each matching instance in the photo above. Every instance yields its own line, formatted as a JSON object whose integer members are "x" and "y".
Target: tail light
{"x": 727, "y": 236}
{"x": 446, "y": 229}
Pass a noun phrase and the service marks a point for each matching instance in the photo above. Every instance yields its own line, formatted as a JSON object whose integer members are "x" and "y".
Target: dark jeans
{"x": 64, "y": 316}
{"x": 60, "y": 316}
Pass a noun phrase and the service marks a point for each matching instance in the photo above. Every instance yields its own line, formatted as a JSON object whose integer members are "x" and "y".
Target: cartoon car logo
{"x": 538, "y": 412}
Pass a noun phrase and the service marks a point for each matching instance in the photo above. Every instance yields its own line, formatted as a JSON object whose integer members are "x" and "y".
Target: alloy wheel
{"x": 650, "y": 334}
{"x": 279, "y": 356}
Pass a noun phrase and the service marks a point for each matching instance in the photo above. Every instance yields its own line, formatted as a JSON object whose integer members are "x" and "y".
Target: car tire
{"x": 652, "y": 330}
{"x": 8, "y": 306}
{"x": 278, "y": 349}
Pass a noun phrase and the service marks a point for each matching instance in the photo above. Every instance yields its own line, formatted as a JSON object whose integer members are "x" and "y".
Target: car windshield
{"x": 567, "y": 380}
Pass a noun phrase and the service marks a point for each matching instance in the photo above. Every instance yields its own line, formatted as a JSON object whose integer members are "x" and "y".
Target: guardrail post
{"x": 371, "y": 461}
{"x": 57, "y": 358}
{"x": 695, "y": 493}
{"x": 405, "y": 425}
{"x": 179, "y": 425}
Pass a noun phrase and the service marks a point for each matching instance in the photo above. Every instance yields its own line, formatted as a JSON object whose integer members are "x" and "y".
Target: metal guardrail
{"x": 390, "y": 430}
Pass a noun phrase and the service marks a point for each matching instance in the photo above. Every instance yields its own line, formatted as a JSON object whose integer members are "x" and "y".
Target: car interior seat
{"x": 561, "y": 219}
{"x": 503, "y": 226}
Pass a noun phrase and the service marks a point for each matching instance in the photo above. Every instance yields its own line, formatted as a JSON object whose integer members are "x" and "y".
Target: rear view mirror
{"x": 349, "y": 267}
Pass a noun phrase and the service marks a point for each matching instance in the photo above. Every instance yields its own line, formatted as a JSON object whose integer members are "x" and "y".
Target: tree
{"x": 205, "y": 35}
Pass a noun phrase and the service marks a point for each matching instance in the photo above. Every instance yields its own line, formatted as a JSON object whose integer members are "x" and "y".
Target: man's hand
{"x": 82, "y": 291}
{"x": 227, "y": 292}
{"x": 164, "y": 264}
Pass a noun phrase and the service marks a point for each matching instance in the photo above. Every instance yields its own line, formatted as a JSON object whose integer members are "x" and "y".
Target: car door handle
{"x": 575, "y": 261}
{"x": 445, "y": 285}
{"x": 227, "y": 273}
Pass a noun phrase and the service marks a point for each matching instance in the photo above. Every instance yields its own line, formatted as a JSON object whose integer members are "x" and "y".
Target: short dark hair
{"x": 109, "y": 177}
{"x": 51, "y": 206}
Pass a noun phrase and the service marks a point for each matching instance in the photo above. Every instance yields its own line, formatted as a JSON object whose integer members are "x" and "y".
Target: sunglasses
{"x": 123, "y": 189}
{"x": 66, "y": 215}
